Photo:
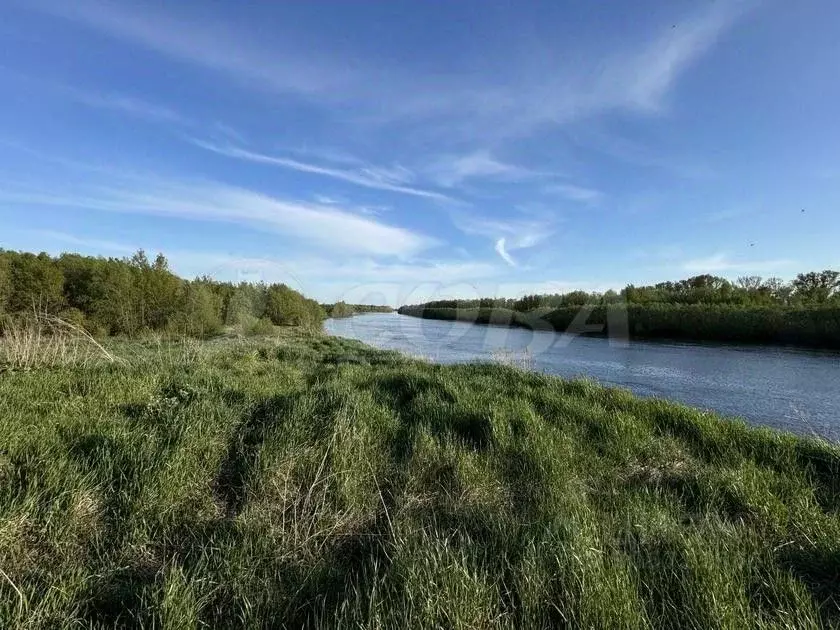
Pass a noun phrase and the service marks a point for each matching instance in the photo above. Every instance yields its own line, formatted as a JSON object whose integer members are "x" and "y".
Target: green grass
{"x": 313, "y": 481}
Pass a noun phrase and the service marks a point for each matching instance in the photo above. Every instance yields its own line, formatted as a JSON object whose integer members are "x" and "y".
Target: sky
{"x": 401, "y": 151}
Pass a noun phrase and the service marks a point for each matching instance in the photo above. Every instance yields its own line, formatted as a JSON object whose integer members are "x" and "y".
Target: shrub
{"x": 260, "y": 328}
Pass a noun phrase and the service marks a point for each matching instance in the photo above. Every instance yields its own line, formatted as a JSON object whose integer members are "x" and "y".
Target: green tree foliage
{"x": 817, "y": 286}
{"x": 528, "y": 303}
{"x": 80, "y": 280}
{"x": 199, "y": 310}
{"x": 158, "y": 289}
{"x": 371, "y": 308}
{"x": 5, "y": 281}
{"x": 341, "y": 309}
{"x": 245, "y": 305}
{"x": 115, "y": 299}
{"x": 128, "y": 296}
{"x": 286, "y": 307}
{"x": 37, "y": 283}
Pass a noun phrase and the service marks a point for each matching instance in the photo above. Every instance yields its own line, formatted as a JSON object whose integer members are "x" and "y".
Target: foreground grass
{"x": 312, "y": 481}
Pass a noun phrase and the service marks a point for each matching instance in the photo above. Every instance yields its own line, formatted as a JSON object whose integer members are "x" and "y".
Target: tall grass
{"x": 307, "y": 481}
{"x": 37, "y": 340}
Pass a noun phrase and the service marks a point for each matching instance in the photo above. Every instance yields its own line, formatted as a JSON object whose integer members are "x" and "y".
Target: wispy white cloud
{"x": 721, "y": 262}
{"x": 507, "y": 235}
{"x": 95, "y": 246}
{"x": 518, "y": 233}
{"x": 229, "y": 132}
{"x": 330, "y": 200}
{"x": 324, "y": 279}
{"x": 574, "y": 192}
{"x": 55, "y": 160}
{"x": 616, "y": 146}
{"x": 522, "y": 96}
{"x": 522, "y": 93}
{"x": 326, "y": 226}
{"x": 502, "y": 251}
{"x": 129, "y": 105}
{"x": 118, "y": 102}
{"x": 392, "y": 180}
{"x": 327, "y": 200}
{"x": 328, "y": 154}
{"x": 660, "y": 63}
{"x": 211, "y": 44}
{"x": 452, "y": 170}
{"x": 415, "y": 271}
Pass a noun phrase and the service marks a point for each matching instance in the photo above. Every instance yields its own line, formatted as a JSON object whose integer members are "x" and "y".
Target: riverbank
{"x": 342, "y": 309}
{"x": 316, "y": 481}
{"x": 791, "y": 389}
{"x": 817, "y": 328}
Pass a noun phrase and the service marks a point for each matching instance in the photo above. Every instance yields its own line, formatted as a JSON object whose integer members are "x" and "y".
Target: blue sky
{"x": 403, "y": 150}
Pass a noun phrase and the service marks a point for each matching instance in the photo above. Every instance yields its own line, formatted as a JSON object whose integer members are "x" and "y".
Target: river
{"x": 789, "y": 389}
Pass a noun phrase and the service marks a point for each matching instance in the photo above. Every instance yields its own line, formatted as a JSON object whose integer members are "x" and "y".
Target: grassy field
{"x": 313, "y": 481}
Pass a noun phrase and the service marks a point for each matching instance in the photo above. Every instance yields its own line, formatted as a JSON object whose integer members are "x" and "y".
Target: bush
{"x": 340, "y": 309}
{"x": 73, "y": 316}
{"x": 261, "y": 328}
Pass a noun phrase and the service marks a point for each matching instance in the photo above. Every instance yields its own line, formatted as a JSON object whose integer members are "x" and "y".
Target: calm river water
{"x": 790, "y": 389}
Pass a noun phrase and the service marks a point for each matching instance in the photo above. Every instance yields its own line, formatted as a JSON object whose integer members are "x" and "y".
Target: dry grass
{"x": 40, "y": 340}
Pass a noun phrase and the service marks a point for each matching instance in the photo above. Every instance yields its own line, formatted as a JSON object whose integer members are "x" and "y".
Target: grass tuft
{"x": 40, "y": 340}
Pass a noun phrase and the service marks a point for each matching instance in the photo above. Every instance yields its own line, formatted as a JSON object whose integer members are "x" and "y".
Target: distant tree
{"x": 749, "y": 283}
{"x": 37, "y": 282}
{"x": 341, "y": 309}
{"x": 198, "y": 310}
{"x": 816, "y": 286}
{"x": 278, "y": 306}
{"x": 577, "y": 298}
{"x": 80, "y": 273}
{"x": 705, "y": 281}
{"x": 644, "y": 295}
{"x": 611, "y": 297}
{"x": 778, "y": 289}
{"x": 528, "y": 303}
{"x": 244, "y": 307}
{"x": 286, "y": 307}
{"x": 115, "y": 298}
{"x": 158, "y": 289}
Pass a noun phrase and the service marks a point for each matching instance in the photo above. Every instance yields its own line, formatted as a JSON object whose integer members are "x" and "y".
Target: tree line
{"x": 806, "y": 289}
{"x": 342, "y": 309}
{"x": 805, "y": 311}
{"x": 128, "y": 296}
